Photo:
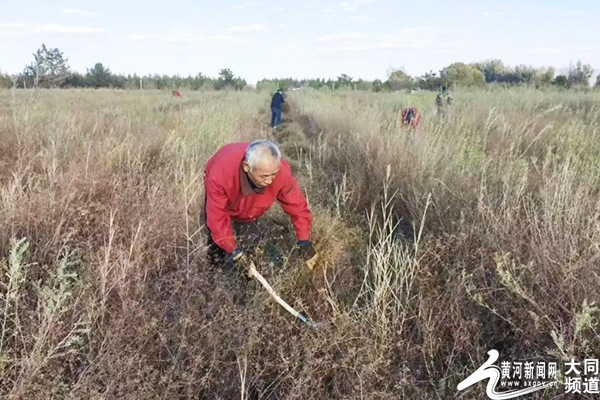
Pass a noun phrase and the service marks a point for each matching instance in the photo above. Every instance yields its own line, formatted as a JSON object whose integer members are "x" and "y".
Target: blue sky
{"x": 265, "y": 38}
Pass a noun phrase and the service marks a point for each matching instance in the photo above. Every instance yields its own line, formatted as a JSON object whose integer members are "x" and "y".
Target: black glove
{"x": 239, "y": 260}
{"x": 236, "y": 255}
{"x": 308, "y": 253}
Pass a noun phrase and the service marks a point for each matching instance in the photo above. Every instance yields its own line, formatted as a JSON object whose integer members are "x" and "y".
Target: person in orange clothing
{"x": 410, "y": 117}
{"x": 242, "y": 181}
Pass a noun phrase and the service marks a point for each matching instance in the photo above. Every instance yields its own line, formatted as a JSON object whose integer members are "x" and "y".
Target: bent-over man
{"x": 242, "y": 181}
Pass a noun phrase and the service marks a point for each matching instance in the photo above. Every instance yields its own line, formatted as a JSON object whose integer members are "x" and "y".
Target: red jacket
{"x": 229, "y": 196}
{"x": 414, "y": 120}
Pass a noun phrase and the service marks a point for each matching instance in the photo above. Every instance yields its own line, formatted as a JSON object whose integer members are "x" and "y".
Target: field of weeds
{"x": 478, "y": 231}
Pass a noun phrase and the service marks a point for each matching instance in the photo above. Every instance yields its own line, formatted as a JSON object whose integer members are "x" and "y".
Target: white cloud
{"x": 323, "y": 15}
{"x": 289, "y": 46}
{"x": 180, "y": 37}
{"x": 546, "y": 50}
{"x": 448, "y": 47}
{"x": 363, "y": 2}
{"x": 14, "y": 25}
{"x": 69, "y": 29}
{"x": 247, "y": 4}
{"x": 78, "y": 12}
{"x": 353, "y": 6}
{"x": 585, "y": 50}
{"x": 493, "y": 13}
{"x": 227, "y": 39}
{"x": 340, "y": 37}
{"x": 348, "y": 7}
{"x": 353, "y": 48}
{"x": 408, "y": 39}
{"x": 254, "y": 28}
{"x": 282, "y": 25}
{"x": 412, "y": 38}
{"x": 138, "y": 37}
{"x": 360, "y": 18}
{"x": 186, "y": 38}
{"x": 20, "y": 29}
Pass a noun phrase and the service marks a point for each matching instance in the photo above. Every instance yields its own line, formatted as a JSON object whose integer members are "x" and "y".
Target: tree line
{"x": 456, "y": 74}
{"x": 50, "y": 69}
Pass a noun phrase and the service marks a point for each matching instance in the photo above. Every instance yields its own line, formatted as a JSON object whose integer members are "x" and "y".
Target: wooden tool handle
{"x": 253, "y": 273}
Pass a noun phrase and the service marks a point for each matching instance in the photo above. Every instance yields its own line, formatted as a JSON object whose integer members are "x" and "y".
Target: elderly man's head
{"x": 262, "y": 162}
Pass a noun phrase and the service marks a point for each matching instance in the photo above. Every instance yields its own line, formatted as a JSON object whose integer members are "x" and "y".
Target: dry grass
{"x": 480, "y": 230}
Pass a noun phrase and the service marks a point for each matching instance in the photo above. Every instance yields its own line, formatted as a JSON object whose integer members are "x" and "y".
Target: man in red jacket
{"x": 241, "y": 182}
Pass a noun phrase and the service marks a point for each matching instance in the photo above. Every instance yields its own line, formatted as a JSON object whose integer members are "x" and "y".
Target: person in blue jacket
{"x": 276, "y": 103}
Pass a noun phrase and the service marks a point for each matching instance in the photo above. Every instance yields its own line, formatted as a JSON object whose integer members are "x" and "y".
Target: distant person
{"x": 443, "y": 100}
{"x": 176, "y": 93}
{"x": 276, "y": 103}
{"x": 410, "y": 116}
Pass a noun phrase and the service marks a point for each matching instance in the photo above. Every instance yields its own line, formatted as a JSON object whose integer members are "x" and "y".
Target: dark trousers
{"x": 275, "y": 116}
{"x": 247, "y": 234}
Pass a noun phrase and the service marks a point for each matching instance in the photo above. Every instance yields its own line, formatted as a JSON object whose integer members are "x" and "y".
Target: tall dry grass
{"x": 105, "y": 188}
{"x": 508, "y": 255}
{"x": 478, "y": 231}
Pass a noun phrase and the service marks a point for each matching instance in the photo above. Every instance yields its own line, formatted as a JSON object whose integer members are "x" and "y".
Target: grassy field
{"x": 478, "y": 231}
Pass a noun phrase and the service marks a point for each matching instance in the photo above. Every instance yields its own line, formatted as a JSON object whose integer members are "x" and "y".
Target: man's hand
{"x": 308, "y": 253}
{"x": 240, "y": 260}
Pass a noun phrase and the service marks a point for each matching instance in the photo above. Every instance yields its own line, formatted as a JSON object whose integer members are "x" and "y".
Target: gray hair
{"x": 260, "y": 150}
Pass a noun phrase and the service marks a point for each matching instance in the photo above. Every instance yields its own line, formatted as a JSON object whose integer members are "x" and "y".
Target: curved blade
{"x": 253, "y": 273}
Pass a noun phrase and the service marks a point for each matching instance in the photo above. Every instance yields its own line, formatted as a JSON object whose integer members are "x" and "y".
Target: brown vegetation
{"x": 480, "y": 232}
